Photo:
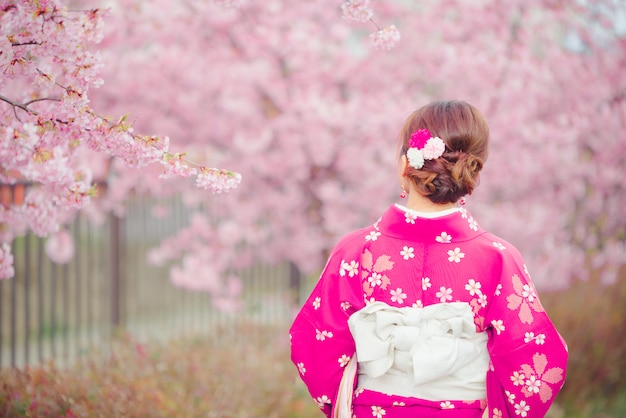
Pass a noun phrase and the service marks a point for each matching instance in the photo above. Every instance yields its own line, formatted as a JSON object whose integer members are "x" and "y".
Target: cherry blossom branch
{"x": 15, "y": 104}
{"x": 42, "y": 99}
{"x": 360, "y": 11}
{"x": 175, "y": 163}
{"x": 25, "y": 108}
{"x": 26, "y": 43}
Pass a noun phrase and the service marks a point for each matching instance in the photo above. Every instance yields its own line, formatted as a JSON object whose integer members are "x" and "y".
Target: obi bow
{"x": 431, "y": 343}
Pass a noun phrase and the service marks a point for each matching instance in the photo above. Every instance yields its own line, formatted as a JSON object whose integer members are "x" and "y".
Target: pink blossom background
{"x": 300, "y": 102}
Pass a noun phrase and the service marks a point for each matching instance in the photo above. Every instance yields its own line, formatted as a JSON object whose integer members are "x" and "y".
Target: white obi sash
{"x": 432, "y": 353}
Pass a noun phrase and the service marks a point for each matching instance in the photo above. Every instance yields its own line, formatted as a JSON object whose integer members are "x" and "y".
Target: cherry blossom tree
{"x": 306, "y": 102}
{"x": 299, "y": 101}
{"x": 48, "y": 130}
{"x": 249, "y": 90}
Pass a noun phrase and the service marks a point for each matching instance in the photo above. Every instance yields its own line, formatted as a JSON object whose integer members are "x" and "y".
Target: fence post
{"x": 115, "y": 270}
{"x": 295, "y": 282}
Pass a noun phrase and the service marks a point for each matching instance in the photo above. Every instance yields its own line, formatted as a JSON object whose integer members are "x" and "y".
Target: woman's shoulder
{"x": 500, "y": 244}
{"x": 496, "y": 251}
{"x": 354, "y": 241}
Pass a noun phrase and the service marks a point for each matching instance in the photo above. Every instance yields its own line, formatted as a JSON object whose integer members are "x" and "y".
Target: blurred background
{"x": 300, "y": 102}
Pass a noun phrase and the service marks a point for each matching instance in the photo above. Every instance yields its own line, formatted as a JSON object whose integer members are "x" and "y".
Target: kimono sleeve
{"x": 528, "y": 356}
{"x": 321, "y": 343}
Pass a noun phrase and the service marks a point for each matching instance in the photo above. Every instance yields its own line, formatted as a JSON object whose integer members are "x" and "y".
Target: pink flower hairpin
{"x": 423, "y": 146}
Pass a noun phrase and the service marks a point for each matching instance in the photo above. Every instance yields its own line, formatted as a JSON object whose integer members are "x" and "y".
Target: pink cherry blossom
{"x": 291, "y": 96}
{"x": 48, "y": 68}
{"x": 218, "y": 181}
{"x": 356, "y": 10}
{"x": 6, "y": 262}
{"x": 385, "y": 38}
{"x": 60, "y": 247}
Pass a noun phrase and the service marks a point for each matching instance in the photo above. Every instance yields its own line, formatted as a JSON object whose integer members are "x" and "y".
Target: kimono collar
{"x": 451, "y": 226}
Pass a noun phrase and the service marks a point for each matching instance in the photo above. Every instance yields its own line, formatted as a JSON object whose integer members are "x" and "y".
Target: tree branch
{"x": 24, "y": 107}
{"x": 41, "y": 99}
{"x": 26, "y": 43}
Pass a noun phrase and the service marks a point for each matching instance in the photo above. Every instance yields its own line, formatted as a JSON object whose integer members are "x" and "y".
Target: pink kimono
{"x": 405, "y": 260}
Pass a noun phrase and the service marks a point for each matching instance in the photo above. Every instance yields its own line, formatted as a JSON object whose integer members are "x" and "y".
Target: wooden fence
{"x": 59, "y": 312}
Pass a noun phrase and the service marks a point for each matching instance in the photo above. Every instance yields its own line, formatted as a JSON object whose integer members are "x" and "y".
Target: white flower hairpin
{"x": 423, "y": 146}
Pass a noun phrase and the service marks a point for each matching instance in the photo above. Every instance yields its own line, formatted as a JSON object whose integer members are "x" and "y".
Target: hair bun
{"x": 465, "y": 170}
{"x": 465, "y": 132}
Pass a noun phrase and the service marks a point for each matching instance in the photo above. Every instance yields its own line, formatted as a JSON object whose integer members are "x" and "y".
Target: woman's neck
{"x": 421, "y": 203}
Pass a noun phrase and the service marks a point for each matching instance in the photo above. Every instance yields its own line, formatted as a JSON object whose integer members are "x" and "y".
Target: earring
{"x": 403, "y": 192}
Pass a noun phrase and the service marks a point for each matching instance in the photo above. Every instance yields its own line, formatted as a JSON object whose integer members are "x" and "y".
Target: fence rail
{"x": 59, "y": 312}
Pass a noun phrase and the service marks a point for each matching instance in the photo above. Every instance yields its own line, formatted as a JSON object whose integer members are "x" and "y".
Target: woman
{"x": 424, "y": 314}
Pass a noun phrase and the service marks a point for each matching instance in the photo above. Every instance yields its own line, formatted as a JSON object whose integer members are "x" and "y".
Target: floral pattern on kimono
{"x": 408, "y": 260}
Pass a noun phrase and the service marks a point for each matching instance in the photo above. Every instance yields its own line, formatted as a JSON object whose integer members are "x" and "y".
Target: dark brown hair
{"x": 466, "y": 135}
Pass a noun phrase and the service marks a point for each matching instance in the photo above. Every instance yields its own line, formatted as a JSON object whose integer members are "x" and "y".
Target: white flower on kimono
{"x": 316, "y": 303}
{"x": 398, "y": 296}
{"x": 417, "y": 304}
{"x": 497, "y": 413}
{"x": 525, "y": 299}
{"x": 410, "y": 217}
{"x": 533, "y": 384}
{"x": 498, "y": 325}
{"x": 322, "y": 400}
{"x": 322, "y": 335}
{"x": 518, "y": 378}
{"x": 426, "y": 283}
{"x": 472, "y": 224}
{"x": 540, "y": 339}
{"x": 463, "y": 213}
{"x": 407, "y": 252}
{"x": 351, "y": 268}
{"x": 544, "y": 377}
{"x": 499, "y": 246}
{"x": 510, "y": 397}
{"x": 444, "y": 238}
{"x": 343, "y": 360}
{"x": 381, "y": 265}
{"x": 372, "y": 236}
{"x": 378, "y": 411}
{"x": 522, "y": 409}
{"x": 345, "y": 305}
{"x": 473, "y": 287}
{"x": 482, "y": 299}
{"x": 301, "y": 368}
{"x": 446, "y": 405}
{"x": 396, "y": 403}
{"x": 529, "y": 293}
{"x": 526, "y": 270}
{"x": 375, "y": 279}
{"x": 498, "y": 291}
{"x": 444, "y": 294}
{"x": 455, "y": 255}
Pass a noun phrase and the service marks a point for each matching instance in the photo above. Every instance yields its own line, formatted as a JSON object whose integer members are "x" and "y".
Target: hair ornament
{"x": 423, "y": 146}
